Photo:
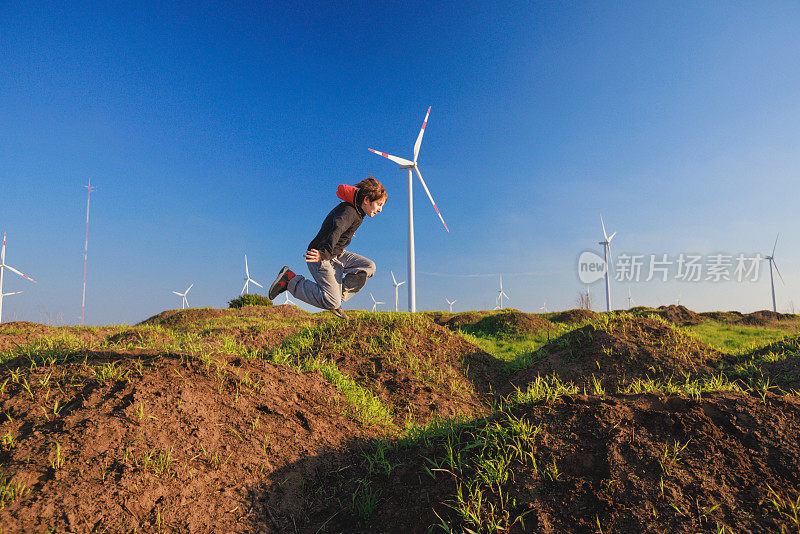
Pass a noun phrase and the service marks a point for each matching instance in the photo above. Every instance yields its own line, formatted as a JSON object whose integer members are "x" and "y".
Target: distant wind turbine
{"x": 412, "y": 166}
{"x": 451, "y": 304}
{"x": 184, "y": 302}
{"x": 607, "y": 256}
{"x": 3, "y": 266}
{"x": 396, "y": 285}
{"x": 288, "y": 301}
{"x": 247, "y": 279}
{"x": 375, "y": 303}
{"x": 89, "y": 190}
{"x": 771, "y": 259}
{"x": 630, "y": 299}
{"x": 544, "y": 308}
{"x": 502, "y": 293}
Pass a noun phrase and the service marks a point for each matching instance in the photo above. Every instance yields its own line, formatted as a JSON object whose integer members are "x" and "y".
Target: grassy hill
{"x": 277, "y": 420}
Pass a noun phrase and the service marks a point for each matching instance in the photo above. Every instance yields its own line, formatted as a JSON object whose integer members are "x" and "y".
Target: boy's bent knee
{"x": 370, "y": 268}
{"x": 331, "y": 302}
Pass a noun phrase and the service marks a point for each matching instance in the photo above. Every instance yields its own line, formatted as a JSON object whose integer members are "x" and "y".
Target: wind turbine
{"x": 630, "y": 299}
{"x": 501, "y": 294}
{"x": 248, "y": 279}
{"x": 288, "y": 301}
{"x": 771, "y": 259}
{"x": 3, "y": 266}
{"x": 412, "y": 165}
{"x": 375, "y": 302}
{"x": 544, "y": 308}
{"x": 451, "y": 304}
{"x": 607, "y": 256}
{"x": 396, "y": 285}
{"x": 184, "y": 302}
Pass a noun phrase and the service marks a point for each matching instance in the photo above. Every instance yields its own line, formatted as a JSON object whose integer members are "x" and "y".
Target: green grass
{"x": 735, "y": 339}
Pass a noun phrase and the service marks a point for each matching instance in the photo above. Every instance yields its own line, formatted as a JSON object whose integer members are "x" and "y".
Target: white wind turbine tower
{"x": 607, "y": 257}
{"x": 450, "y": 303}
{"x": 501, "y": 294}
{"x": 396, "y": 285}
{"x": 544, "y": 308}
{"x": 246, "y": 288}
{"x": 771, "y": 259}
{"x": 3, "y": 266}
{"x": 184, "y": 302}
{"x": 375, "y": 303}
{"x": 412, "y": 165}
{"x": 89, "y": 189}
{"x": 630, "y": 299}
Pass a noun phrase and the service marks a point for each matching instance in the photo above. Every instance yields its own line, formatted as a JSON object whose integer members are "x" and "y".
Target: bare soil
{"x": 630, "y": 348}
{"x": 124, "y": 439}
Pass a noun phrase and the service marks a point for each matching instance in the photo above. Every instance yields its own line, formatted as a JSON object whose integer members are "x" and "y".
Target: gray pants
{"x": 326, "y": 290}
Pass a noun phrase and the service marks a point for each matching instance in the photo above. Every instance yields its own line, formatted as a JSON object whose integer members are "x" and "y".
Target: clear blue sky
{"x": 216, "y": 129}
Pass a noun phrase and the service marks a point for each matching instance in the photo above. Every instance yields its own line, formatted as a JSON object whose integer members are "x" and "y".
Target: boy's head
{"x": 375, "y": 196}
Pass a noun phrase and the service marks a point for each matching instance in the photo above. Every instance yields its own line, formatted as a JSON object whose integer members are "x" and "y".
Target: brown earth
{"x": 628, "y": 348}
{"x": 124, "y": 439}
{"x": 733, "y": 452}
{"x": 417, "y": 368}
{"x": 21, "y": 333}
{"x": 175, "y": 444}
{"x": 463, "y": 319}
{"x": 512, "y": 323}
{"x": 577, "y": 315}
{"x": 174, "y": 318}
{"x": 679, "y": 315}
{"x": 758, "y": 318}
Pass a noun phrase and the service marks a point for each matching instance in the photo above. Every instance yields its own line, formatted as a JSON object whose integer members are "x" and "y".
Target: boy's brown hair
{"x": 373, "y": 190}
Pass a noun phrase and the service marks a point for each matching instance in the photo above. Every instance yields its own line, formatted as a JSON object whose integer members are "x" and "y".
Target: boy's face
{"x": 373, "y": 208}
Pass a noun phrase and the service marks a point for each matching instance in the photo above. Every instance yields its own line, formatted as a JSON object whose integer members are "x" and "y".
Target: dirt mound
{"x": 21, "y": 333}
{"x": 766, "y": 318}
{"x": 415, "y": 367}
{"x": 723, "y": 317}
{"x": 146, "y": 442}
{"x": 577, "y": 315}
{"x": 465, "y": 319}
{"x": 758, "y": 318}
{"x": 638, "y": 463}
{"x": 511, "y": 323}
{"x": 139, "y": 338}
{"x": 180, "y": 318}
{"x": 174, "y": 318}
{"x": 680, "y": 315}
{"x": 618, "y": 351}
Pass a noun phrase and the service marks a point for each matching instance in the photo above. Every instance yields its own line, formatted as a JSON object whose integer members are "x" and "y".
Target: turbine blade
{"x": 776, "y": 270}
{"x": 394, "y": 280}
{"x": 604, "y": 228}
{"x": 431, "y": 198}
{"x": 611, "y": 237}
{"x": 3, "y": 252}
{"x": 400, "y": 161}
{"x": 401, "y": 283}
{"x": 13, "y": 270}
{"x": 244, "y": 287}
{"x": 246, "y": 270}
{"x": 256, "y": 283}
{"x": 775, "y": 245}
{"x": 190, "y": 287}
{"x": 419, "y": 137}
{"x": 179, "y": 294}
{"x": 14, "y": 293}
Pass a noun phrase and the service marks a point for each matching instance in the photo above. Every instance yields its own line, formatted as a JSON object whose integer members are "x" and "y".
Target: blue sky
{"x": 212, "y": 130}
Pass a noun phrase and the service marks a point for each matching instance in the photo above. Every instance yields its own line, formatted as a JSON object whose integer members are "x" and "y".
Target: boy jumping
{"x": 338, "y": 274}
